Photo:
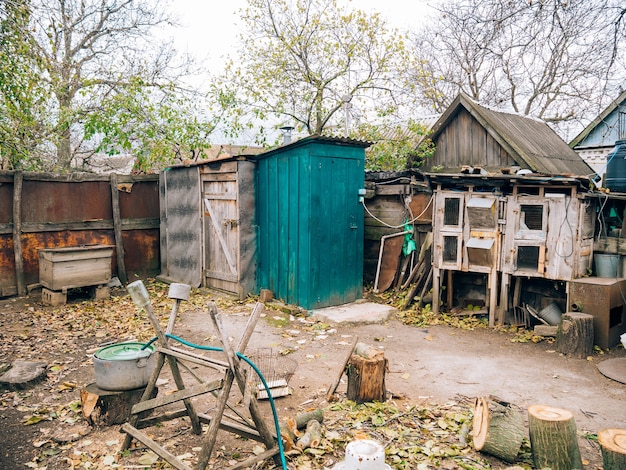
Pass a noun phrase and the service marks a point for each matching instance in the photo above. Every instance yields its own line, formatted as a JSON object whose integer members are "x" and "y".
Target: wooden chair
{"x": 176, "y": 358}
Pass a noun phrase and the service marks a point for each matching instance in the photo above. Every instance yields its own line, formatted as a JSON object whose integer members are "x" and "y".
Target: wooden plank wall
{"x": 39, "y": 210}
{"x": 386, "y": 203}
{"x": 466, "y": 142}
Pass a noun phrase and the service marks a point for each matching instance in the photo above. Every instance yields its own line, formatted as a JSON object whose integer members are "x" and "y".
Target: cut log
{"x": 289, "y": 438}
{"x": 366, "y": 375}
{"x": 575, "y": 335}
{"x": 302, "y": 419}
{"x": 106, "y": 407}
{"x": 498, "y": 428}
{"x": 366, "y": 351}
{"x": 613, "y": 445}
{"x": 553, "y": 438}
{"x": 312, "y": 435}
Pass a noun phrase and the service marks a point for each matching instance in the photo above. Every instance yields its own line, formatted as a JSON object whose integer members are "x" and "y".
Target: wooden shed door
{"x": 221, "y": 228}
{"x": 181, "y": 249}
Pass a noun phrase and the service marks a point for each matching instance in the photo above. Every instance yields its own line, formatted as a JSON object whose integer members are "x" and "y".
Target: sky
{"x": 209, "y": 28}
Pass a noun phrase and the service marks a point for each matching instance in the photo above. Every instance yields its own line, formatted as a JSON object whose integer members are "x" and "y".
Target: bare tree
{"x": 315, "y": 64}
{"x": 552, "y": 59}
{"x": 91, "y": 59}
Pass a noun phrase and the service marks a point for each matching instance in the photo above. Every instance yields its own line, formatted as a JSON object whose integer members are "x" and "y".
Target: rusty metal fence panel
{"x": 40, "y": 210}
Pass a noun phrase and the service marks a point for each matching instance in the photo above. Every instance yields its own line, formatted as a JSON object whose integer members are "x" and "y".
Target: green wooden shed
{"x": 310, "y": 221}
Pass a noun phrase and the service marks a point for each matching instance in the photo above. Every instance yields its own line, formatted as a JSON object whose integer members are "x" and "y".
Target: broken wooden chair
{"x": 255, "y": 429}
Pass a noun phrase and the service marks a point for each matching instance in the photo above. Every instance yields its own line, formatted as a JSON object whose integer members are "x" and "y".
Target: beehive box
{"x": 70, "y": 267}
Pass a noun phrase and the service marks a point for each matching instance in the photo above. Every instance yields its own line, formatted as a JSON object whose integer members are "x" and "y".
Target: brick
{"x": 54, "y": 298}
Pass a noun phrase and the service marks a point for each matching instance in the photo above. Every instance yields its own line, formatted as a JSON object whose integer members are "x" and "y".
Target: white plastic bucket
{"x": 623, "y": 340}
{"x": 363, "y": 454}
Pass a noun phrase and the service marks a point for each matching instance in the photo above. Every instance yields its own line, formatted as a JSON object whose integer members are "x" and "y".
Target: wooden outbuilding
{"x": 208, "y": 231}
{"x": 509, "y": 229}
{"x": 469, "y": 137}
{"x": 595, "y": 142}
{"x": 509, "y": 205}
{"x": 310, "y": 221}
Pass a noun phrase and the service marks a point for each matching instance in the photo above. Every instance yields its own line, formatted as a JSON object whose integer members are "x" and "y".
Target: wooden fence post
{"x": 117, "y": 227}
{"x": 18, "y": 179}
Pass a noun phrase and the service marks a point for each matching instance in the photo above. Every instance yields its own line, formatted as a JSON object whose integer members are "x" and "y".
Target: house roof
{"x": 529, "y": 141}
{"x": 598, "y": 120}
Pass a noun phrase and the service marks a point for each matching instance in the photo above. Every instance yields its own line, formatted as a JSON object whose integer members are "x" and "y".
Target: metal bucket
{"x": 123, "y": 366}
{"x": 606, "y": 265}
{"x": 551, "y": 314}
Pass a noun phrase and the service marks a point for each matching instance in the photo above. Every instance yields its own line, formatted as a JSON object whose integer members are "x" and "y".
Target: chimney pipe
{"x": 286, "y": 130}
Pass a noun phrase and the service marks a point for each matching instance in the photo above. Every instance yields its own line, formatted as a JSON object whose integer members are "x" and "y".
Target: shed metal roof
{"x": 315, "y": 138}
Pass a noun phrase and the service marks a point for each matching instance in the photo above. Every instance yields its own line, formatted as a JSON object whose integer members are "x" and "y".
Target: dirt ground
{"x": 428, "y": 365}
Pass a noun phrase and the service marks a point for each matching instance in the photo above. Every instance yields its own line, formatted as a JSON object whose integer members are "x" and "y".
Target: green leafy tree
{"x": 395, "y": 146}
{"x": 21, "y": 95}
{"x": 103, "y": 82}
{"x": 318, "y": 66}
{"x": 156, "y": 125}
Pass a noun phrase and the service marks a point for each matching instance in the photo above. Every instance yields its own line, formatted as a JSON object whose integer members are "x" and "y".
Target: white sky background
{"x": 210, "y": 28}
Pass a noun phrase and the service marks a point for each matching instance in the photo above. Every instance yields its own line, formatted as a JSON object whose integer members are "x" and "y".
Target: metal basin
{"x": 123, "y": 366}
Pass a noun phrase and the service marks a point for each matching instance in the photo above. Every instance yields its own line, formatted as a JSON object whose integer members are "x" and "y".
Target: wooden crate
{"x": 66, "y": 268}
{"x": 604, "y": 299}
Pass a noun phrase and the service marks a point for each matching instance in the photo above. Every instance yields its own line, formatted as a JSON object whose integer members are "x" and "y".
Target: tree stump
{"x": 23, "y": 375}
{"x": 575, "y": 334}
{"x": 553, "y": 438}
{"x": 613, "y": 445}
{"x": 107, "y": 407}
{"x": 366, "y": 374}
{"x": 498, "y": 428}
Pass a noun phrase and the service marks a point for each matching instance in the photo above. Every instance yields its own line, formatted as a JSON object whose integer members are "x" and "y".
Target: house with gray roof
{"x": 597, "y": 140}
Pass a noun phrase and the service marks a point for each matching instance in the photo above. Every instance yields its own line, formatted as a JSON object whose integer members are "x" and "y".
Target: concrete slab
{"x": 355, "y": 312}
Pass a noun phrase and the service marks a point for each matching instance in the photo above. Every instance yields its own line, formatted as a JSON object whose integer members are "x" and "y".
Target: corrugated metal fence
{"x": 39, "y": 210}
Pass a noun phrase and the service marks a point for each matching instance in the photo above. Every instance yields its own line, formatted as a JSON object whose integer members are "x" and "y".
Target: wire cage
{"x": 277, "y": 370}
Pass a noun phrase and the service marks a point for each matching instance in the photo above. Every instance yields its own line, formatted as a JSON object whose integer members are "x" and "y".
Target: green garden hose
{"x": 256, "y": 370}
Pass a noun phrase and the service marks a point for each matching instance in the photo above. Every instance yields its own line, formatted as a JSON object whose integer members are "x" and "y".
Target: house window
{"x": 531, "y": 217}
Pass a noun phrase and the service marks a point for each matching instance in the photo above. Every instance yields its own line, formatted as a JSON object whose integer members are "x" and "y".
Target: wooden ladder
{"x": 176, "y": 358}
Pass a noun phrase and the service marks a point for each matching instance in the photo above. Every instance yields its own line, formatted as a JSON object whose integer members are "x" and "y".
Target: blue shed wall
{"x": 311, "y": 224}
{"x": 611, "y": 129}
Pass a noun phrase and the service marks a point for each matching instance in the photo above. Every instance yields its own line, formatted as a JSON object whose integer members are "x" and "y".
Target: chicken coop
{"x": 506, "y": 229}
